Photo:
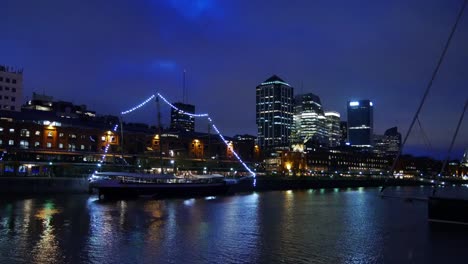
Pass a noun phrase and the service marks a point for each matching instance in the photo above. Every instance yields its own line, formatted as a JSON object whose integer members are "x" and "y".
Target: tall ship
{"x": 125, "y": 184}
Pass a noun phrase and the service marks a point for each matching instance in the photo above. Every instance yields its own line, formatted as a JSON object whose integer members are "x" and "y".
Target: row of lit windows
{"x": 50, "y": 134}
{"x": 25, "y": 145}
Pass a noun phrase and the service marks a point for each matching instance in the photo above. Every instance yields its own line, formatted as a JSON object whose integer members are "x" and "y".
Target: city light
{"x": 138, "y": 106}
{"x": 355, "y": 103}
{"x": 181, "y": 111}
{"x": 194, "y": 115}
{"x": 107, "y": 147}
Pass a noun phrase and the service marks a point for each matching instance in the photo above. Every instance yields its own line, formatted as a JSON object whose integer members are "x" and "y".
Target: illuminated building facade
{"x": 11, "y": 88}
{"x": 310, "y": 123}
{"x": 344, "y": 133}
{"x": 464, "y": 161}
{"x": 333, "y": 127}
{"x": 274, "y": 113}
{"x": 41, "y": 143}
{"x": 389, "y": 143}
{"x": 360, "y": 123}
{"x": 42, "y": 102}
{"x": 180, "y": 121}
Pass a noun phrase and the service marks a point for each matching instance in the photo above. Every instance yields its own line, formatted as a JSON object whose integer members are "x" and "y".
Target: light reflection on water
{"x": 352, "y": 225}
{"x": 46, "y": 248}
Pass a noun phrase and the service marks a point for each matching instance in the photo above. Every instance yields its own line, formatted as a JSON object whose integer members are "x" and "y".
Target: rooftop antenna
{"x": 184, "y": 91}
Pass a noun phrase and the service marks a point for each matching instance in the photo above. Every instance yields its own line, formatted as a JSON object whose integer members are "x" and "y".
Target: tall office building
{"x": 310, "y": 123}
{"x": 333, "y": 127}
{"x": 344, "y": 133}
{"x": 274, "y": 108}
{"x": 392, "y": 139}
{"x": 389, "y": 143}
{"x": 464, "y": 161}
{"x": 360, "y": 123}
{"x": 11, "y": 88}
{"x": 181, "y": 121}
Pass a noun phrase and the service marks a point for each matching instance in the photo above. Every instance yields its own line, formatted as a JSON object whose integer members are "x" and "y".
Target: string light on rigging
{"x": 216, "y": 130}
{"x": 181, "y": 111}
{"x": 189, "y": 114}
{"x": 106, "y": 149}
{"x": 138, "y": 106}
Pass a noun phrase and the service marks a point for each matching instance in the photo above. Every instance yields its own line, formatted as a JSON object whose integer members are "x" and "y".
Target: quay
{"x": 46, "y": 185}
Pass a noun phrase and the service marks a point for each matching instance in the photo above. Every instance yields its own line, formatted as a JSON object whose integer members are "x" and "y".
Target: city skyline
{"x": 383, "y": 52}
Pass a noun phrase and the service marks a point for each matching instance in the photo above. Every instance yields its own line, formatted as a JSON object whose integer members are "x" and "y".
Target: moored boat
{"x": 124, "y": 184}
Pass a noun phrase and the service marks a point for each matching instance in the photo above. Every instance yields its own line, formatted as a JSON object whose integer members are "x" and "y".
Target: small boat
{"x": 125, "y": 184}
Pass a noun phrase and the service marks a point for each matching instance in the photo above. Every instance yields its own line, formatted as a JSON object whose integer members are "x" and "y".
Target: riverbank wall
{"x": 43, "y": 185}
{"x": 272, "y": 184}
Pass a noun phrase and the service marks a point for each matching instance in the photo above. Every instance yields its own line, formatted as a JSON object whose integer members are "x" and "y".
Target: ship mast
{"x": 451, "y": 145}
{"x": 428, "y": 88}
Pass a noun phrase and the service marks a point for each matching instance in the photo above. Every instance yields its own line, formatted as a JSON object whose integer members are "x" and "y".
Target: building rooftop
{"x": 274, "y": 80}
{"x": 4, "y": 68}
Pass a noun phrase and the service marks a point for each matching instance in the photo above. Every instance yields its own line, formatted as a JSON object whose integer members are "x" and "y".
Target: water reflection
{"x": 311, "y": 226}
{"x": 46, "y": 249}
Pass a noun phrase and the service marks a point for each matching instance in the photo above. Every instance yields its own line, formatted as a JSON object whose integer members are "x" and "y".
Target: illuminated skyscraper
{"x": 464, "y": 161}
{"x": 310, "y": 123}
{"x": 388, "y": 143}
{"x": 360, "y": 123}
{"x": 274, "y": 107}
{"x": 180, "y": 121}
{"x": 333, "y": 127}
{"x": 344, "y": 133}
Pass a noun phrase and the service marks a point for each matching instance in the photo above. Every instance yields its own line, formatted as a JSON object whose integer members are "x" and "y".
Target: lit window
{"x": 82, "y": 147}
{"x": 1, "y": 129}
{"x": 12, "y": 130}
{"x": 60, "y": 146}
{"x": 103, "y": 139}
{"x": 60, "y": 134}
{"x": 50, "y": 134}
{"x": 49, "y": 145}
{"x": 72, "y": 135}
{"x": 11, "y": 142}
{"x": 24, "y": 144}
{"x": 36, "y": 144}
{"x": 24, "y": 133}
{"x": 37, "y": 133}
{"x": 1, "y": 142}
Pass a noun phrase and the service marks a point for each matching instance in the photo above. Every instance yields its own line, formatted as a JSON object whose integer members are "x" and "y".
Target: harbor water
{"x": 350, "y": 225}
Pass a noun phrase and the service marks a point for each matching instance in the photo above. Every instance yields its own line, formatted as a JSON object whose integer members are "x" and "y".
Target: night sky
{"x": 111, "y": 55}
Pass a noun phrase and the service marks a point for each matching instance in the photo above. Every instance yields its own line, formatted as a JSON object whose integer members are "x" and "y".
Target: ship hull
{"x": 448, "y": 211}
{"x": 121, "y": 190}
